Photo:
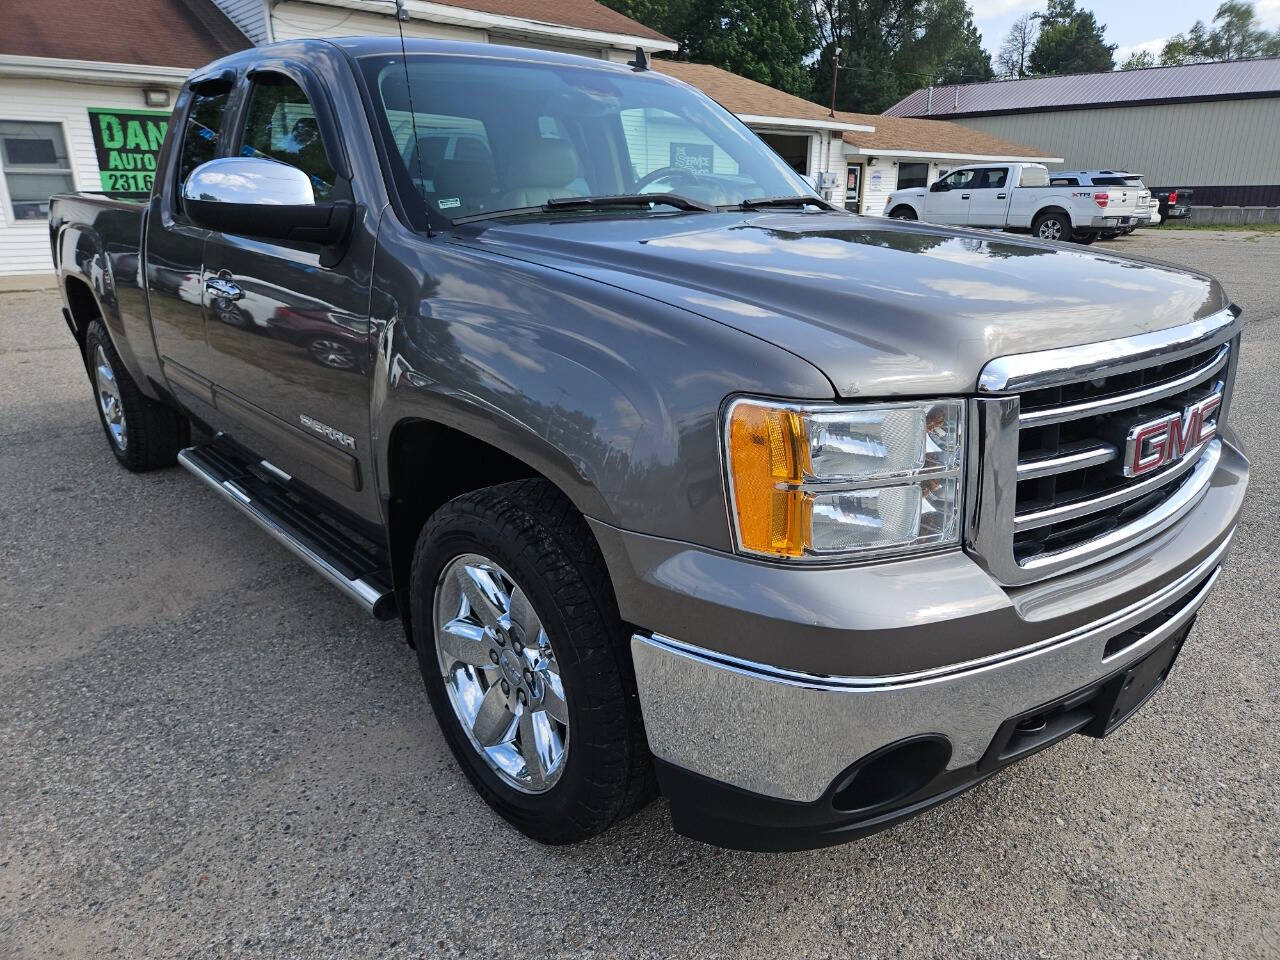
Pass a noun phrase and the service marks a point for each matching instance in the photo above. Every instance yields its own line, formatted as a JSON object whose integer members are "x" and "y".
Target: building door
{"x": 853, "y": 189}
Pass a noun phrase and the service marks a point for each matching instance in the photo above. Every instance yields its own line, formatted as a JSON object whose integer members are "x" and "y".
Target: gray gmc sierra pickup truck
{"x": 678, "y": 478}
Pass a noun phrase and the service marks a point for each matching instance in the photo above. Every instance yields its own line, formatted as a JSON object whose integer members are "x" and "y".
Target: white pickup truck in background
{"x": 1018, "y": 196}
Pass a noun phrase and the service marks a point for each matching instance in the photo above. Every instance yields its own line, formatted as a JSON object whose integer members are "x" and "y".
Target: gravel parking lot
{"x": 206, "y": 751}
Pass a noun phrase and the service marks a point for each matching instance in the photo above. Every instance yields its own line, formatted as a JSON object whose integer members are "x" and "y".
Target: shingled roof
{"x": 164, "y": 33}
{"x": 749, "y": 98}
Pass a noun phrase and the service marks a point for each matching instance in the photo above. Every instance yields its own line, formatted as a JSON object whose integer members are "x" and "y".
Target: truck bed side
{"x": 99, "y": 263}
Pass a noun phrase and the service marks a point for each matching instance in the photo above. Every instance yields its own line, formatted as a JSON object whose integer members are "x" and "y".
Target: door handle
{"x": 1001, "y": 196}
{"x": 964, "y": 196}
{"x": 223, "y": 287}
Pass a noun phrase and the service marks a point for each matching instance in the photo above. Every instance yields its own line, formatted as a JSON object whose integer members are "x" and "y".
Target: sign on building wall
{"x": 696, "y": 157}
{"x": 127, "y": 143}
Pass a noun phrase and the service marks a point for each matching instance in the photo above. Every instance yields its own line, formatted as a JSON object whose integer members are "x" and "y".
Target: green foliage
{"x": 892, "y": 47}
{"x": 1139, "y": 59}
{"x": 1236, "y": 34}
{"x": 1070, "y": 41}
{"x": 765, "y": 40}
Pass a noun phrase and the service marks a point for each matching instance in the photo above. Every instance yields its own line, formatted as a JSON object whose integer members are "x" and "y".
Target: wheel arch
{"x": 1052, "y": 208}
{"x": 82, "y": 306}
{"x": 429, "y": 463}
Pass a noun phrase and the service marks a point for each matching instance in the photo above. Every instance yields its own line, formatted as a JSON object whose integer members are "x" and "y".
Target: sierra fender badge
{"x": 337, "y": 436}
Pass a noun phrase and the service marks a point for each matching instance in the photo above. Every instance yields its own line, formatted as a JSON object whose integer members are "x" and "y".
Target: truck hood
{"x": 882, "y": 307}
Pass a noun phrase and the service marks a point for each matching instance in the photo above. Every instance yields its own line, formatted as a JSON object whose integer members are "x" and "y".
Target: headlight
{"x": 829, "y": 481}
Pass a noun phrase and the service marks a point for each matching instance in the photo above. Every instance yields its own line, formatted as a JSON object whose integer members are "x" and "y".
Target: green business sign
{"x": 127, "y": 142}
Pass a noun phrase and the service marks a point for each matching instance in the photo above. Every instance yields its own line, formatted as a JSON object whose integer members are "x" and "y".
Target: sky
{"x": 1133, "y": 24}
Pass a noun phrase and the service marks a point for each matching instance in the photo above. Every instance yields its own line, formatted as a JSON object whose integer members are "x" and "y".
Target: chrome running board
{"x": 260, "y": 495}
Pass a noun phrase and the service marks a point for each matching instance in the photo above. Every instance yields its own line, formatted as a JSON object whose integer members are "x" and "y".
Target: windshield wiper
{"x": 757, "y": 203}
{"x": 628, "y": 200}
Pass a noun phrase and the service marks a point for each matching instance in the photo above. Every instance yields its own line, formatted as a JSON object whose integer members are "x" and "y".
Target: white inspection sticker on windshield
{"x": 447, "y": 202}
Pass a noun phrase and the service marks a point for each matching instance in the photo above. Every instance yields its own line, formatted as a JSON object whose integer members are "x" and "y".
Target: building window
{"x": 912, "y": 175}
{"x": 36, "y": 166}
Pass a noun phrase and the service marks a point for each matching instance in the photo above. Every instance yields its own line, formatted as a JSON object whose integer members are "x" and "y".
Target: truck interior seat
{"x": 548, "y": 167}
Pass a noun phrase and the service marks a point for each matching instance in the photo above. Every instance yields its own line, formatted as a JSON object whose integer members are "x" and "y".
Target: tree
{"x": 1236, "y": 34}
{"x": 1011, "y": 62}
{"x": 1139, "y": 59}
{"x": 892, "y": 47}
{"x": 766, "y": 40}
{"x": 1070, "y": 41}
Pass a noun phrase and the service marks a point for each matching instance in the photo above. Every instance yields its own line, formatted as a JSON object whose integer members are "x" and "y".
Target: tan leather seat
{"x": 543, "y": 173}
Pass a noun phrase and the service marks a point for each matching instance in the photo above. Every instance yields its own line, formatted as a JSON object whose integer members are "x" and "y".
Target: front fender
{"x": 613, "y": 397}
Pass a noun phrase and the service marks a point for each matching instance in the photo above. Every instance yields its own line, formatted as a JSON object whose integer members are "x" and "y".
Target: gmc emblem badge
{"x": 1158, "y": 443}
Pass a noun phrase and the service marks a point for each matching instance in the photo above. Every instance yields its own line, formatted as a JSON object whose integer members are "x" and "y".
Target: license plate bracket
{"x": 1127, "y": 692}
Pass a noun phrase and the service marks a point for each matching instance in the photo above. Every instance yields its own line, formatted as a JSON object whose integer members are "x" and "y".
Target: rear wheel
{"x": 903, "y": 212}
{"x": 142, "y": 433}
{"x": 526, "y": 663}
{"x": 1052, "y": 226}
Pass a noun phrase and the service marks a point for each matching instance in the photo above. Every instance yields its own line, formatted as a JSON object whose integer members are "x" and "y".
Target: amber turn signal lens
{"x": 769, "y": 455}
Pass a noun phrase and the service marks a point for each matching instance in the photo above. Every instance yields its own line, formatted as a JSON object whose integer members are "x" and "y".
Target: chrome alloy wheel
{"x": 1050, "y": 229}
{"x": 500, "y": 673}
{"x": 104, "y": 379}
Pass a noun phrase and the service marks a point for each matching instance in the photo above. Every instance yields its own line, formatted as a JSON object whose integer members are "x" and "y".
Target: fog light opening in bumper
{"x": 892, "y": 773}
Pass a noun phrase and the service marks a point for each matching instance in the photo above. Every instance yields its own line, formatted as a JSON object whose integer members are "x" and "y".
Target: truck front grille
{"x": 1052, "y": 493}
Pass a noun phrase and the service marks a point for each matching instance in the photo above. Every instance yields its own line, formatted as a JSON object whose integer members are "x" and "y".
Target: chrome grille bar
{"x": 1082, "y": 508}
{"x": 1079, "y": 457}
{"x": 1135, "y": 398}
{"x": 1047, "y": 494}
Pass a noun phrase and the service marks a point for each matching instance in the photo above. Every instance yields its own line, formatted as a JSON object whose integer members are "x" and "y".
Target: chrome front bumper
{"x": 788, "y": 735}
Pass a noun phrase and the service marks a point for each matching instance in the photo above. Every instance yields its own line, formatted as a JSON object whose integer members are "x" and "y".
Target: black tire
{"x": 532, "y": 531}
{"x": 902, "y": 212}
{"x": 1083, "y": 237}
{"x": 154, "y": 432}
{"x": 1052, "y": 226}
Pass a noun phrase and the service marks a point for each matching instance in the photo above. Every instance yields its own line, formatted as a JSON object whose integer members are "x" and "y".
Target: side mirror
{"x": 938, "y": 186}
{"x": 256, "y": 197}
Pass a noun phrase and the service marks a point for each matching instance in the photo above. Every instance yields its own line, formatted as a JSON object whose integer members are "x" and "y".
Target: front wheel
{"x": 902, "y": 212}
{"x": 142, "y": 433}
{"x": 526, "y": 663}
{"x": 1052, "y": 226}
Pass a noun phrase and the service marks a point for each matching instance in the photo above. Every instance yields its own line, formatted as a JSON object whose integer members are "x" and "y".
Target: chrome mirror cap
{"x": 249, "y": 180}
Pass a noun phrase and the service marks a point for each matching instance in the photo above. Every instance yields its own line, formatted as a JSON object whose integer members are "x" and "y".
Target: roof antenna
{"x": 641, "y": 62}
{"x": 402, "y": 17}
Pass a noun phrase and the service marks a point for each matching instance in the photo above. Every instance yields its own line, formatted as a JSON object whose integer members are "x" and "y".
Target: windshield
{"x": 470, "y": 136}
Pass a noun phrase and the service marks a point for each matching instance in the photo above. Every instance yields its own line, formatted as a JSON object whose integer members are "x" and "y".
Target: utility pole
{"x": 835, "y": 78}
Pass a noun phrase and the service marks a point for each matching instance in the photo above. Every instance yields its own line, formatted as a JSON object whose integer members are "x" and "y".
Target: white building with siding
{"x": 84, "y": 102}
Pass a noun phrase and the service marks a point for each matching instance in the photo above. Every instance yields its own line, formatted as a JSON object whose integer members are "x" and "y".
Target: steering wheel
{"x": 675, "y": 174}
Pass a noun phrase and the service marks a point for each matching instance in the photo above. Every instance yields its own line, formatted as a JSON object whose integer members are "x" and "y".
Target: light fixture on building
{"x": 872, "y": 161}
{"x": 155, "y": 96}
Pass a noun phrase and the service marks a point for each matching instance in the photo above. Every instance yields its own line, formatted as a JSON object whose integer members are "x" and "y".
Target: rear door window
{"x": 993, "y": 179}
